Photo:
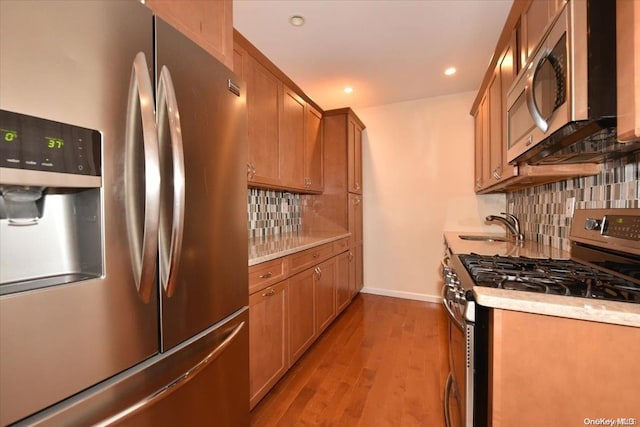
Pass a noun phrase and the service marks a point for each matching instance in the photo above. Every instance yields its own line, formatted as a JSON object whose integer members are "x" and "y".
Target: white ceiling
{"x": 387, "y": 50}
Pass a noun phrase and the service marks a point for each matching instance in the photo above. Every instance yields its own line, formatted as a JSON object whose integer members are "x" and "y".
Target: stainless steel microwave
{"x": 562, "y": 106}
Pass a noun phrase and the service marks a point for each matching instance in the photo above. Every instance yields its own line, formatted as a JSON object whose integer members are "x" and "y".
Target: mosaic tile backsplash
{"x": 541, "y": 209}
{"x": 272, "y": 213}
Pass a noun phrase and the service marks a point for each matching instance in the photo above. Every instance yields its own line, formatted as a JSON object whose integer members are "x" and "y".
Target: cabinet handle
{"x": 478, "y": 184}
{"x": 350, "y": 255}
{"x": 318, "y": 271}
{"x": 357, "y": 200}
{"x": 357, "y": 186}
{"x": 266, "y": 275}
{"x": 269, "y": 293}
{"x": 496, "y": 175}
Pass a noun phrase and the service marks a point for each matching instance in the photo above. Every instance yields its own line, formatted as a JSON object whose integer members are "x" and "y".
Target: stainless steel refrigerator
{"x": 123, "y": 301}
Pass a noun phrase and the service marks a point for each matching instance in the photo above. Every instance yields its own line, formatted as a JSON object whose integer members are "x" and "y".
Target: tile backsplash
{"x": 272, "y": 213}
{"x": 541, "y": 209}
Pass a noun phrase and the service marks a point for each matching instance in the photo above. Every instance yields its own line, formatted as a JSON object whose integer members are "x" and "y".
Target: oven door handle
{"x": 452, "y": 316}
{"x": 447, "y": 396}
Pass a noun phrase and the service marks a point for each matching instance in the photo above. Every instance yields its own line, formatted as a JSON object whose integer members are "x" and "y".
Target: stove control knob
{"x": 592, "y": 224}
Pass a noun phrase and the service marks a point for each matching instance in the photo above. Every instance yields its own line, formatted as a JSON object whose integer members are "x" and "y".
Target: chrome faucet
{"x": 511, "y": 222}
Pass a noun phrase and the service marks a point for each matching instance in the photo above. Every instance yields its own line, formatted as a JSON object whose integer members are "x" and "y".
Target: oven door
{"x": 455, "y": 393}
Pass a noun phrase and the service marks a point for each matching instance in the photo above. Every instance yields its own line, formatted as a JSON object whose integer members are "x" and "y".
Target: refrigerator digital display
{"x": 28, "y": 142}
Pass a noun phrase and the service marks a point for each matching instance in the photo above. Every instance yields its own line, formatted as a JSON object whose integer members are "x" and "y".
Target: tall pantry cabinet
{"x": 342, "y": 197}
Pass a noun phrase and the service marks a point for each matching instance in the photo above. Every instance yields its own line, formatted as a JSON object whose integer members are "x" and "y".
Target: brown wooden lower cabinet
{"x": 359, "y": 268}
{"x": 301, "y": 313}
{"x": 287, "y": 317}
{"x": 325, "y": 294}
{"x": 345, "y": 289}
{"x": 552, "y": 371}
{"x": 268, "y": 337}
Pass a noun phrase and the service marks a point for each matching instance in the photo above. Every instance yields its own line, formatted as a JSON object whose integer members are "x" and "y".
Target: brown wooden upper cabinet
{"x": 524, "y": 28}
{"x": 628, "y": 69}
{"x": 313, "y": 149}
{"x": 354, "y": 146}
{"x": 285, "y": 136}
{"x": 535, "y": 19}
{"x": 208, "y": 23}
{"x": 292, "y": 140}
{"x": 490, "y": 124}
{"x": 264, "y": 106}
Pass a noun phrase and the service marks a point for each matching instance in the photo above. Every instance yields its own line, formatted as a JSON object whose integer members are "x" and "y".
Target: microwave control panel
{"x": 28, "y": 142}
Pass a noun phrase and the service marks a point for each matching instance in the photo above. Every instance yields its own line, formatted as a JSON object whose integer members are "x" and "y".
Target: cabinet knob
{"x": 266, "y": 275}
{"x": 592, "y": 224}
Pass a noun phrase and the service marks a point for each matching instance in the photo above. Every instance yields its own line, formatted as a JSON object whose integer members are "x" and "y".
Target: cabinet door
{"x": 628, "y": 69}
{"x": 495, "y": 129}
{"x": 313, "y": 150}
{"x": 534, "y": 21}
{"x": 343, "y": 288}
{"x": 359, "y": 266}
{"x": 354, "y": 147}
{"x": 208, "y": 23}
{"x": 267, "y": 339}
{"x": 478, "y": 121}
{"x": 355, "y": 219}
{"x": 264, "y": 100}
{"x": 292, "y": 136}
{"x": 483, "y": 144}
{"x": 325, "y": 289}
{"x": 353, "y": 276}
{"x": 506, "y": 73}
{"x": 586, "y": 365}
{"x": 301, "y": 313}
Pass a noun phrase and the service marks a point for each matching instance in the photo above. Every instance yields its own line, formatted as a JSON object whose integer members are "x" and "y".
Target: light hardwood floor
{"x": 383, "y": 362}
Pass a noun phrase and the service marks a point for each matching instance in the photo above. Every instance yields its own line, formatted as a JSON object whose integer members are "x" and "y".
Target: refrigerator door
{"x": 72, "y": 62}
{"x": 204, "y": 278}
{"x": 202, "y": 382}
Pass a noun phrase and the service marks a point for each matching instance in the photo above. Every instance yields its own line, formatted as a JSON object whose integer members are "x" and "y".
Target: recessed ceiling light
{"x": 297, "y": 20}
{"x": 450, "y": 71}
{"x": 348, "y": 89}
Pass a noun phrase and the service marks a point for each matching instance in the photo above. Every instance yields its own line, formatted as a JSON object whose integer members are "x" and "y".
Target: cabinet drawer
{"x": 305, "y": 259}
{"x": 340, "y": 245}
{"x": 266, "y": 273}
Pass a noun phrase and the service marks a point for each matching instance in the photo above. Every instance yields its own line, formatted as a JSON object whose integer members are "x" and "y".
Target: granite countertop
{"x": 262, "y": 249}
{"x": 619, "y": 313}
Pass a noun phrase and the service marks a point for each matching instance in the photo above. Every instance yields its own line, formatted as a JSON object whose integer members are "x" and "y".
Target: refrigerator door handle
{"x": 142, "y": 218}
{"x": 174, "y": 385}
{"x": 172, "y": 160}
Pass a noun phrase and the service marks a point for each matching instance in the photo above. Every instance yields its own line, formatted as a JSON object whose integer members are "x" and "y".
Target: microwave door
{"x": 545, "y": 91}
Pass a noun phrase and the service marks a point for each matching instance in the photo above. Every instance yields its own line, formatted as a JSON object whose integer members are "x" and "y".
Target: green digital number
{"x": 9, "y": 135}
{"x": 55, "y": 143}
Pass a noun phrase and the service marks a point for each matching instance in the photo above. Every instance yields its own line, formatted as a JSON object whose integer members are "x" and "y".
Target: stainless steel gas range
{"x": 604, "y": 266}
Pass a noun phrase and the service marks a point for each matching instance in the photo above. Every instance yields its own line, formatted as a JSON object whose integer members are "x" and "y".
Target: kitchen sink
{"x": 482, "y": 238}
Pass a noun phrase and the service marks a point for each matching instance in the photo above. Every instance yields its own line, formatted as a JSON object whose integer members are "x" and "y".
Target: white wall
{"x": 418, "y": 182}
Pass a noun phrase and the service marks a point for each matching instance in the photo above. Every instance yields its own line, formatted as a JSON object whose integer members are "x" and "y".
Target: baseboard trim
{"x": 402, "y": 294}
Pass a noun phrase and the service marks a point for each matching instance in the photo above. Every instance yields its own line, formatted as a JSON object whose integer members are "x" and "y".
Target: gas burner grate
{"x": 549, "y": 276}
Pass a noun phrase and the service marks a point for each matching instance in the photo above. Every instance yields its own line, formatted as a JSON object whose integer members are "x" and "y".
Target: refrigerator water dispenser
{"x": 50, "y": 203}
